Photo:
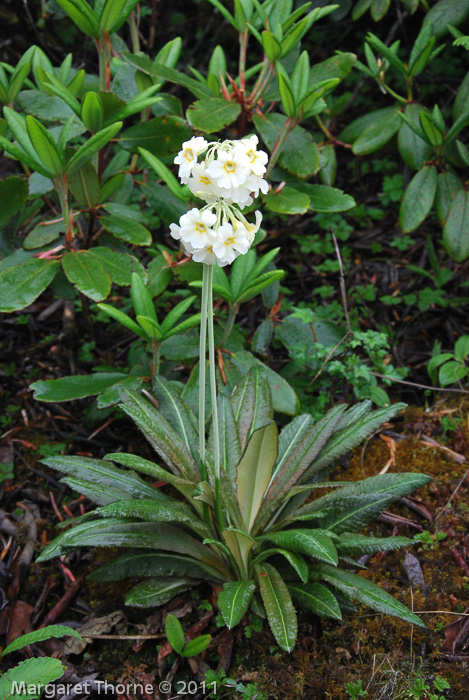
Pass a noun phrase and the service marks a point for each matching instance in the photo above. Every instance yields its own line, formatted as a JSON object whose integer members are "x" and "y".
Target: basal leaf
{"x": 317, "y": 598}
{"x": 233, "y": 601}
{"x": 278, "y": 606}
{"x": 154, "y": 592}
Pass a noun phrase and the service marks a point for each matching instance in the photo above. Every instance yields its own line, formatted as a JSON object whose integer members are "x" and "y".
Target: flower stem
{"x": 202, "y": 369}
{"x": 279, "y": 144}
{"x": 213, "y": 391}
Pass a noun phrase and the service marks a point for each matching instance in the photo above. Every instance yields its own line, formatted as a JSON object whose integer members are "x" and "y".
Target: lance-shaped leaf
{"x": 95, "y": 493}
{"x": 118, "y": 532}
{"x": 317, "y": 598}
{"x": 44, "y": 145}
{"x": 104, "y": 474}
{"x": 252, "y": 404}
{"x": 91, "y": 146}
{"x": 34, "y": 673}
{"x": 82, "y": 14}
{"x": 159, "y": 70}
{"x": 313, "y": 543}
{"x": 75, "y": 387}
{"x": 239, "y": 545}
{"x": 296, "y": 561}
{"x": 456, "y": 230}
{"x": 364, "y": 591}
{"x": 176, "y": 411}
{"x": 40, "y": 635}
{"x": 154, "y": 592}
{"x": 350, "y": 508}
{"x": 278, "y": 606}
{"x": 234, "y": 599}
{"x": 230, "y": 446}
{"x": 353, "y": 544}
{"x": 255, "y": 470}
{"x": 161, "y": 436}
{"x": 149, "y": 510}
{"x": 147, "y": 563}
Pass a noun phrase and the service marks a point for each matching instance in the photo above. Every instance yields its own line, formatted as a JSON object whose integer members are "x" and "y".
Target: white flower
{"x": 254, "y": 183}
{"x": 252, "y": 229}
{"x": 187, "y": 157}
{"x": 230, "y": 169}
{"x": 201, "y": 184}
{"x": 203, "y": 255}
{"x": 257, "y": 159}
{"x": 196, "y": 228}
{"x": 175, "y": 231}
{"x": 230, "y": 243}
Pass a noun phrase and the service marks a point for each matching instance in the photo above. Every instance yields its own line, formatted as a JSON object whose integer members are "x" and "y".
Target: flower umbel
{"x": 228, "y": 179}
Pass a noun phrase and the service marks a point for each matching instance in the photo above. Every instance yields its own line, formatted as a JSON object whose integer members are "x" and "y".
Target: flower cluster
{"x": 227, "y": 179}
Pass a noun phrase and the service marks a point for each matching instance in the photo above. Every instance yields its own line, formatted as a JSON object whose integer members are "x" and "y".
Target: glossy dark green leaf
{"x": 84, "y": 185}
{"x": 418, "y": 198}
{"x": 414, "y": 150}
{"x": 161, "y": 135}
{"x": 461, "y": 103}
{"x": 148, "y": 563}
{"x": 13, "y": 195}
{"x": 366, "y": 592}
{"x": 91, "y": 146}
{"x": 126, "y": 229}
{"x": 317, "y": 598}
{"x": 287, "y": 201}
{"x": 448, "y": 186}
{"x": 92, "y": 113}
{"x": 159, "y": 70}
{"x": 154, "y": 511}
{"x": 21, "y": 284}
{"x": 233, "y": 601}
{"x": 76, "y": 387}
{"x": 214, "y": 114}
{"x": 446, "y": 12}
{"x": 154, "y": 592}
{"x": 278, "y": 606}
{"x": 119, "y": 266}
{"x": 381, "y": 130}
{"x": 313, "y": 543}
{"x": 82, "y": 14}
{"x": 326, "y": 199}
{"x": 159, "y": 275}
{"x": 87, "y": 274}
{"x": 300, "y": 155}
{"x": 456, "y": 230}
{"x": 44, "y": 145}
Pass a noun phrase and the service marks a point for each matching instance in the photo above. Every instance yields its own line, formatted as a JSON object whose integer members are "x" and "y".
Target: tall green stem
{"x": 134, "y": 33}
{"x": 213, "y": 392}
{"x": 104, "y": 51}
{"x": 202, "y": 369}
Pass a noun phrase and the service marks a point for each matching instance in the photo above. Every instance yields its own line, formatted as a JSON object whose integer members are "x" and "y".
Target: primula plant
{"x": 245, "y": 523}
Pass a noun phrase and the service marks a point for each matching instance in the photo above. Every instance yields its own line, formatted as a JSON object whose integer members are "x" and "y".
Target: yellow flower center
{"x": 201, "y": 228}
{"x": 229, "y": 241}
{"x": 230, "y": 167}
{"x": 189, "y": 154}
{"x": 205, "y": 180}
{"x": 251, "y": 155}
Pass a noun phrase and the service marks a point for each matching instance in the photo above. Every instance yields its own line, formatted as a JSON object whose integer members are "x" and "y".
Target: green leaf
{"x": 34, "y": 674}
{"x": 147, "y": 563}
{"x": 92, "y": 112}
{"x": 44, "y": 145}
{"x": 84, "y": 185}
{"x": 40, "y": 635}
{"x": 254, "y": 472}
{"x": 174, "y": 633}
{"x": 278, "y": 606}
{"x": 126, "y": 229}
{"x": 317, "y": 598}
{"x": 252, "y": 404}
{"x": 414, "y": 150}
{"x": 87, "y": 274}
{"x": 448, "y": 186}
{"x": 381, "y": 130}
{"x": 155, "y": 591}
{"x": 161, "y": 436}
{"x": 146, "y": 467}
{"x": 353, "y": 544}
{"x": 233, "y": 601}
{"x": 418, "y": 198}
{"x": 91, "y": 146}
{"x": 326, "y": 199}
{"x": 13, "y": 195}
{"x": 271, "y": 45}
{"x": 75, "y": 387}
{"x": 43, "y": 233}
{"x": 155, "y": 512}
{"x": 352, "y": 507}
{"x": 446, "y": 12}
{"x": 159, "y": 70}
{"x": 165, "y": 174}
{"x": 379, "y": 8}
{"x": 119, "y": 266}
{"x": 82, "y": 14}
{"x": 160, "y": 136}
{"x": 300, "y": 155}
{"x": 313, "y": 543}
{"x": 197, "y": 645}
{"x": 461, "y": 103}
{"x": 286, "y": 94}
{"x": 387, "y": 52}
{"x": 230, "y": 446}
{"x": 21, "y": 284}
{"x": 288, "y": 201}
{"x": 211, "y": 115}
{"x": 430, "y": 129}
{"x": 159, "y": 276}
{"x": 366, "y": 592}
{"x": 125, "y": 320}
{"x": 461, "y": 347}
{"x": 452, "y": 372}
{"x": 456, "y": 230}
{"x": 177, "y": 413}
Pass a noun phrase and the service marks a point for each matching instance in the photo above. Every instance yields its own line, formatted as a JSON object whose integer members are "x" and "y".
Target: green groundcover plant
{"x": 243, "y": 523}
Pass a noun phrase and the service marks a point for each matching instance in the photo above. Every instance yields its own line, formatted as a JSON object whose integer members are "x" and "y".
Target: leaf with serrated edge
{"x": 317, "y": 598}
{"x": 40, "y": 635}
{"x": 313, "y": 543}
{"x": 278, "y": 606}
{"x": 233, "y": 601}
